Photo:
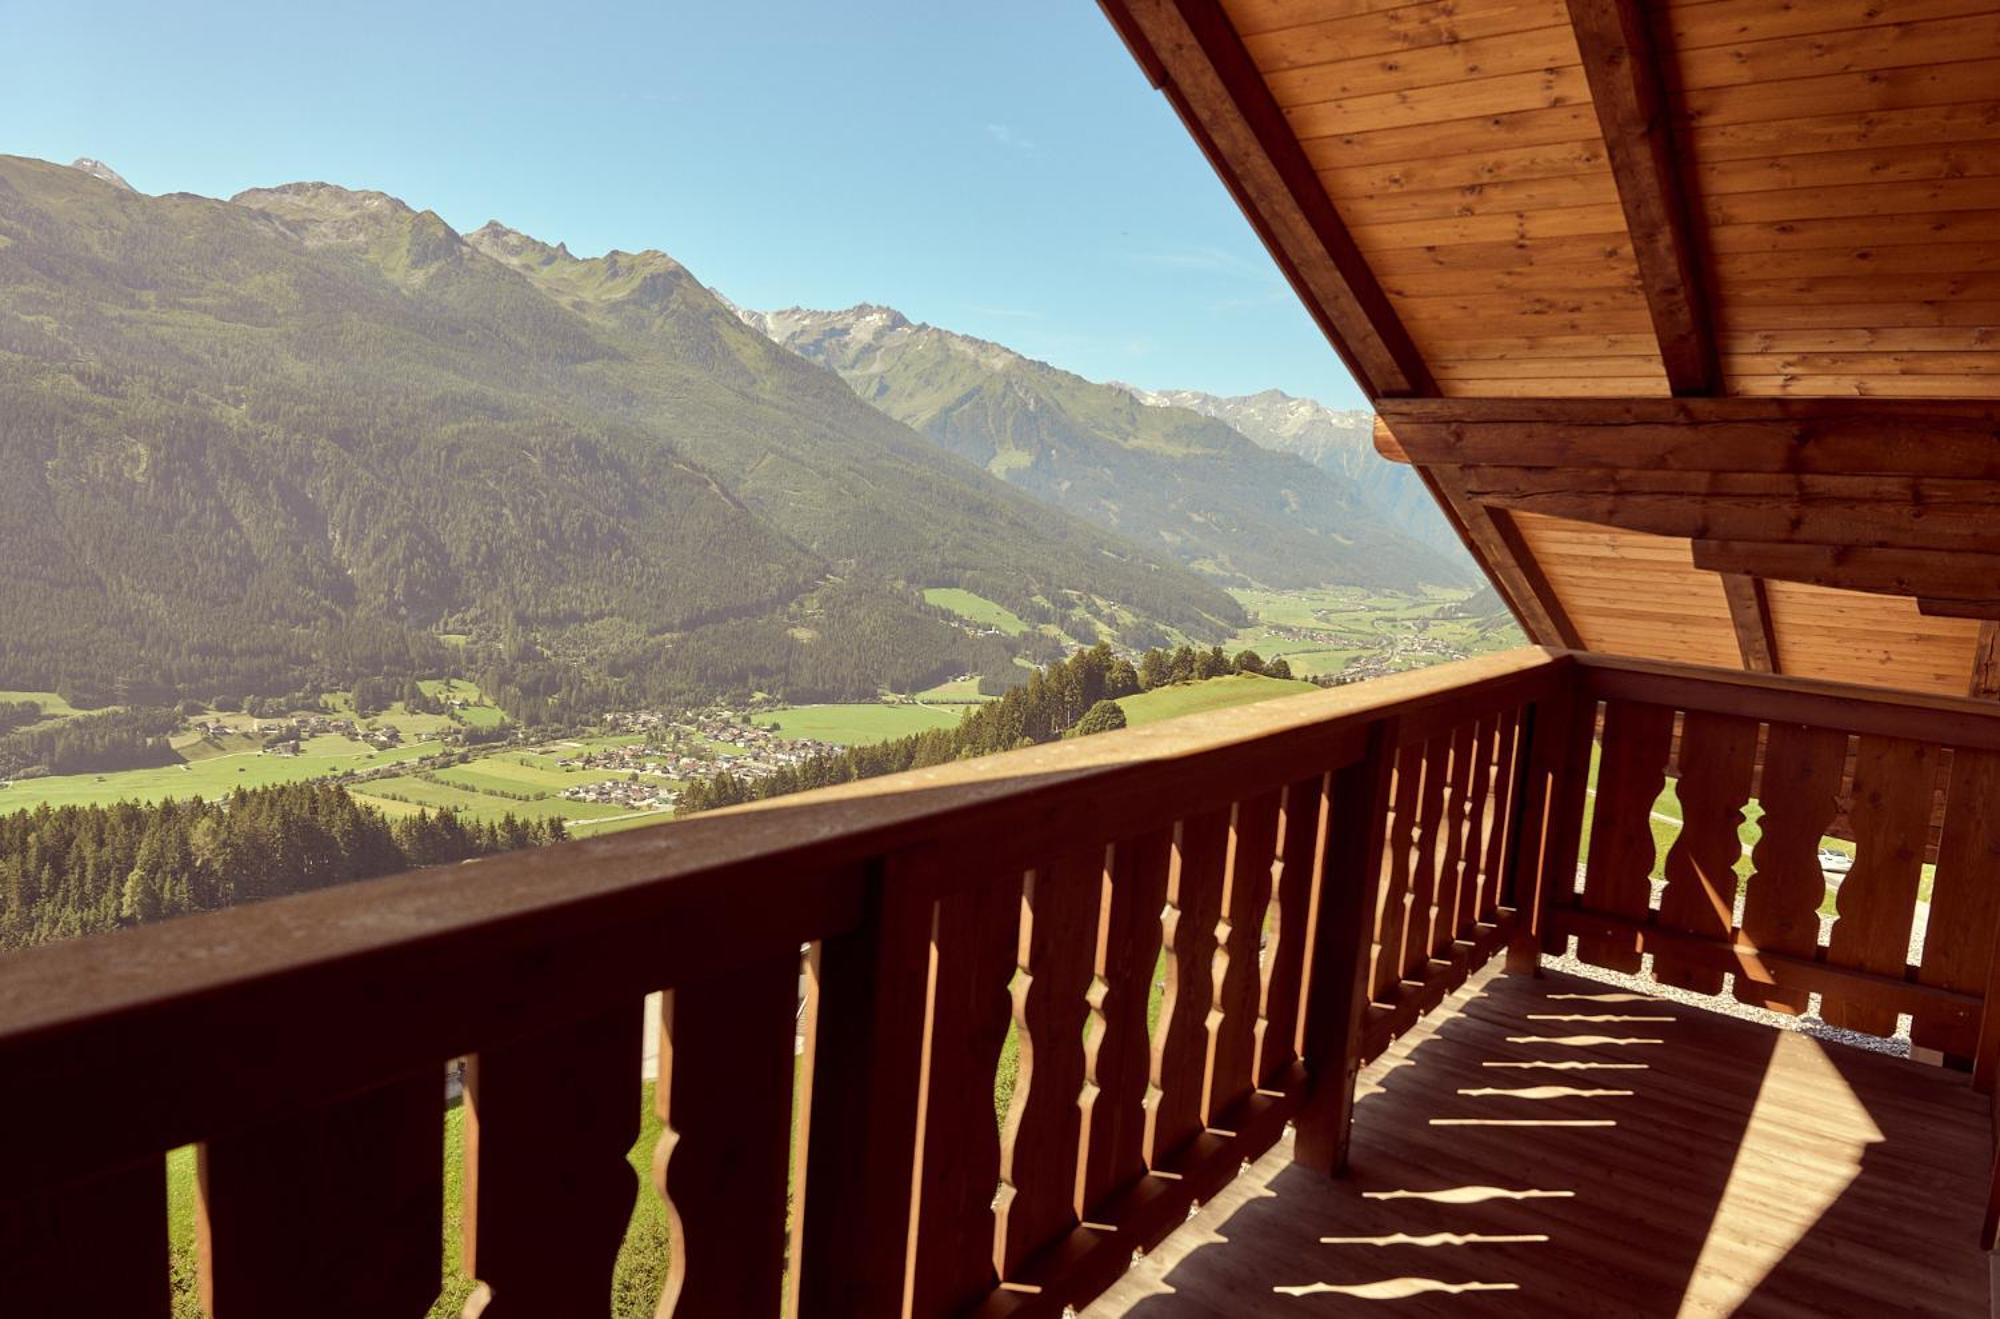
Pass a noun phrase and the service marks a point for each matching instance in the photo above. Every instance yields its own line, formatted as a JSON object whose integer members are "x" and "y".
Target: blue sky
{"x": 1001, "y": 170}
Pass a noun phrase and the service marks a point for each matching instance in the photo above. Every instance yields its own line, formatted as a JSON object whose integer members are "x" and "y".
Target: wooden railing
{"x": 1299, "y": 881}
{"x": 1805, "y": 754}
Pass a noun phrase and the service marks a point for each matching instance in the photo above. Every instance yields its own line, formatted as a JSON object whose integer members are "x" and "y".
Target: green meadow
{"x": 1214, "y": 694}
{"x": 857, "y": 723}
{"x": 208, "y": 775}
{"x": 976, "y": 609}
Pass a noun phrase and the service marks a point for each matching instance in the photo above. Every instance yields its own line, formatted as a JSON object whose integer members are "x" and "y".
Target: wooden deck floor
{"x": 1693, "y": 1165}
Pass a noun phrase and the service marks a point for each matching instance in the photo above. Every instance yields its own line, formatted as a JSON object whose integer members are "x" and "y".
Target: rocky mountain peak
{"x": 97, "y": 169}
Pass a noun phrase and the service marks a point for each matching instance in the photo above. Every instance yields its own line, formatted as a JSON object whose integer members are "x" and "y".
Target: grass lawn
{"x": 958, "y": 689}
{"x": 1215, "y": 694}
{"x": 976, "y": 609}
{"x": 53, "y": 706}
{"x": 415, "y": 792}
{"x": 212, "y": 777}
{"x": 858, "y": 723}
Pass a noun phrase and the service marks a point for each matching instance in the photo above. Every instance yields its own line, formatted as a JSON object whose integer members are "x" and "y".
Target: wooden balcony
{"x": 1300, "y": 883}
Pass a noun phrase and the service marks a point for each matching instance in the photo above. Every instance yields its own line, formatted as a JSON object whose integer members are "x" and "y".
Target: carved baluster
{"x": 1430, "y": 847}
{"x": 1302, "y": 841}
{"x": 1459, "y": 851}
{"x": 867, "y": 1001}
{"x": 548, "y": 1191}
{"x": 1118, "y": 1057}
{"x": 1180, "y": 1047}
{"x": 1039, "y": 1143}
{"x": 1718, "y": 754}
{"x": 330, "y": 1213}
{"x": 1799, "y": 792}
{"x": 973, "y": 951}
{"x": 1495, "y": 849}
{"x": 1965, "y": 901}
{"x": 1894, "y": 782}
{"x": 1618, "y": 876}
{"x": 1232, "y": 1021}
{"x": 725, "y": 1100}
{"x": 1392, "y": 908}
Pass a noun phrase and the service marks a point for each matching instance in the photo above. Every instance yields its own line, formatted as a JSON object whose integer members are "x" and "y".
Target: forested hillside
{"x": 293, "y": 440}
{"x": 1176, "y": 481}
{"x": 77, "y": 870}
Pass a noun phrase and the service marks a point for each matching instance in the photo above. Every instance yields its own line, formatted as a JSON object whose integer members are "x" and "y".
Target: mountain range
{"x": 312, "y": 433}
{"x": 1178, "y": 475}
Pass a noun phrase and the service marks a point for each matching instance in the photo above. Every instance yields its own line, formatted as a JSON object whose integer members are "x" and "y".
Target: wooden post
{"x": 1335, "y": 997}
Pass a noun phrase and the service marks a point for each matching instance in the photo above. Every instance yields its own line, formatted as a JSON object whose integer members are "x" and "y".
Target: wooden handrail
{"x": 351, "y": 987}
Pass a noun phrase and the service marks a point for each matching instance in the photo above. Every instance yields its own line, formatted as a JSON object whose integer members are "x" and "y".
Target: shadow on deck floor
{"x": 1555, "y": 1147}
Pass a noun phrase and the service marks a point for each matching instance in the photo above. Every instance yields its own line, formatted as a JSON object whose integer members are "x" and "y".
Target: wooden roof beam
{"x": 1629, "y": 88}
{"x": 1932, "y": 574}
{"x": 1192, "y": 53}
{"x": 1819, "y": 436}
{"x": 1750, "y": 615}
{"x": 1986, "y": 663}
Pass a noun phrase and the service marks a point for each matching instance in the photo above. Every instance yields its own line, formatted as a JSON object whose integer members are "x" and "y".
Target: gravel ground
{"x": 1809, "y": 1023}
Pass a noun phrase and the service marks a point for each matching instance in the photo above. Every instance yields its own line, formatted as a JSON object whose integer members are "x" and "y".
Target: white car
{"x": 1835, "y": 863}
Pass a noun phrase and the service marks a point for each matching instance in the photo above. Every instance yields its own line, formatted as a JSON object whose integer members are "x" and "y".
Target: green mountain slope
{"x": 1168, "y": 478}
{"x": 304, "y": 431}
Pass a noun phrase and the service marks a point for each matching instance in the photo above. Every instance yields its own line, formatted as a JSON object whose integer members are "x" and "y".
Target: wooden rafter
{"x": 1621, "y": 63}
{"x": 1931, "y": 574}
{"x": 1986, "y": 663}
{"x": 1496, "y": 545}
{"x": 1750, "y": 614}
{"x": 1193, "y": 54}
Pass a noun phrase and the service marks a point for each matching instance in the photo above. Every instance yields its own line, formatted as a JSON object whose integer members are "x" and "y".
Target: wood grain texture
{"x": 974, "y": 944}
{"x": 1482, "y": 823}
{"x": 1301, "y": 846}
{"x": 1965, "y": 899}
{"x": 1180, "y": 1043}
{"x": 1781, "y": 899}
{"x": 723, "y": 1162}
{"x": 1718, "y": 755}
{"x": 1239, "y": 935}
{"x": 1890, "y": 814}
{"x": 1040, "y": 1170}
{"x": 1631, "y": 771}
{"x": 337, "y": 1211}
{"x": 1118, "y": 1056}
{"x": 98, "y": 1246}
{"x": 1449, "y": 923}
{"x": 549, "y": 1123}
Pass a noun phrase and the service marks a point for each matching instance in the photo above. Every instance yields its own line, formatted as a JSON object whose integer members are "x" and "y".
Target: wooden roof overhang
{"x": 1687, "y": 311}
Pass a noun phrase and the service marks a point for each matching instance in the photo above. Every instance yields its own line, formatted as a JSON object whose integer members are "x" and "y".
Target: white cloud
{"x": 1005, "y": 135}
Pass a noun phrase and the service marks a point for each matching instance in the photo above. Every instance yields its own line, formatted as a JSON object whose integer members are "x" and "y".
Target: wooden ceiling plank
{"x": 1629, "y": 93}
{"x": 1195, "y": 56}
{"x": 1750, "y": 615}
